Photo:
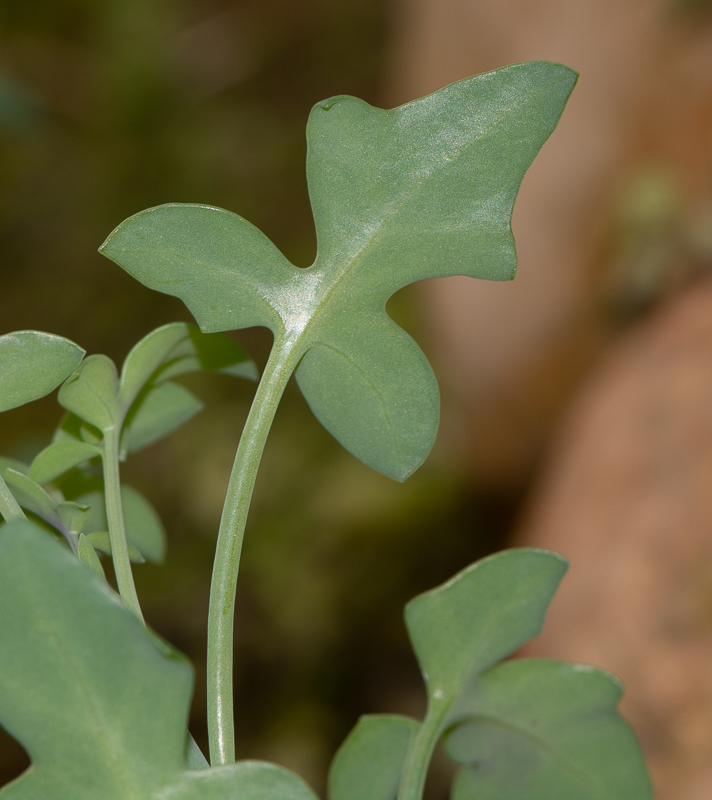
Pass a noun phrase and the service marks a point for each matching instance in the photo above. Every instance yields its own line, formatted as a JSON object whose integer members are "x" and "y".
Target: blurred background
{"x": 577, "y": 409}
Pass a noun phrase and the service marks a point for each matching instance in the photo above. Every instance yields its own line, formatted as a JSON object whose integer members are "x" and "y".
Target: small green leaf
{"x": 369, "y": 763}
{"x": 101, "y": 541}
{"x": 13, "y": 463}
{"x": 158, "y": 411}
{"x": 546, "y": 730}
{"x": 175, "y": 349}
{"x": 73, "y": 516}
{"x": 74, "y": 429}
{"x": 32, "y": 364}
{"x": 419, "y": 191}
{"x": 87, "y": 554}
{"x": 480, "y": 616}
{"x": 32, "y": 497}
{"x": 92, "y": 393}
{"x": 144, "y": 529}
{"x": 59, "y": 457}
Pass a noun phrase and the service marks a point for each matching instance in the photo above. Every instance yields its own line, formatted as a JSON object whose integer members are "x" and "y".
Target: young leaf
{"x": 480, "y": 616}
{"x": 144, "y": 529}
{"x": 101, "y": 541}
{"x": 157, "y": 411}
{"x": 100, "y": 708}
{"x": 420, "y": 191}
{"x": 92, "y": 393}
{"x": 58, "y": 458}
{"x": 32, "y": 497}
{"x": 32, "y": 364}
{"x": 369, "y": 763}
{"x": 87, "y": 553}
{"x": 175, "y": 349}
{"x": 546, "y": 730}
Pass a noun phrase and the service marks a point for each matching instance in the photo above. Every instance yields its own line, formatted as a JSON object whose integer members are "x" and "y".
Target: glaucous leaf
{"x": 72, "y": 428}
{"x": 480, "y": 616}
{"x": 87, "y": 553}
{"x": 59, "y": 457}
{"x": 32, "y": 497}
{"x": 101, "y": 541}
{"x": 144, "y": 529}
{"x": 92, "y": 392}
{"x": 32, "y": 364}
{"x": 14, "y": 463}
{"x": 369, "y": 763}
{"x": 175, "y": 349}
{"x": 98, "y": 705}
{"x": 420, "y": 191}
{"x": 546, "y": 730}
{"x": 157, "y": 411}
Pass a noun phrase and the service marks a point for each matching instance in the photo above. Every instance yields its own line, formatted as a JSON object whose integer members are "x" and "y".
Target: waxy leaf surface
{"x": 369, "y": 763}
{"x": 32, "y": 364}
{"x": 419, "y": 191}
{"x": 546, "y": 730}
{"x": 480, "y": 616}
{"x": 98, "y": 705}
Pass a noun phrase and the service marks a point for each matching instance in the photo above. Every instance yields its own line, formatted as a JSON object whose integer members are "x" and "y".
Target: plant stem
{"x": 115, "y": 518}
{"x": 420, "y": 751}
{"x": 9, "y": 507}
{"x": 221, "y": 729}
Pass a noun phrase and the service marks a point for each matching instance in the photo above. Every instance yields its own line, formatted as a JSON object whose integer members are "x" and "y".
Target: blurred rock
{"x": 627, "y": 498}
{"x": 509, "y": 354}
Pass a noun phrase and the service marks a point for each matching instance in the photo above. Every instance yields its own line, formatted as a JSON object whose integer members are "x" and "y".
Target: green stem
{"x": 115, "y": 518}
{"x": 9, "y": 507}
{"x": 420, "y": 751}
{"x": 221, "y": 729}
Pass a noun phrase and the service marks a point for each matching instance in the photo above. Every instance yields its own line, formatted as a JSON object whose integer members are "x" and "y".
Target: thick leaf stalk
{"x": 221, "y": 727}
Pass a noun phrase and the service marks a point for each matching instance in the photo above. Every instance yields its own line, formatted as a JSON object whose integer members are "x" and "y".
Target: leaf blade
{"x": 32, "y": 364}
{"x": 369, "y": 763}
{"x": 546, "y": 730}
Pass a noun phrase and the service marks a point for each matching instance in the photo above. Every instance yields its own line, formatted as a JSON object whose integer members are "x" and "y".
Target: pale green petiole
{"x": 221, "y": 730}
{"x": 420, "y": 751}
{"x": 115, "y": 519}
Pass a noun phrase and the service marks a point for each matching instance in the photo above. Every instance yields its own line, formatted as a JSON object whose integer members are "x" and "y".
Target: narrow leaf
{"x": 546, "y": 730}
{"x": 101, "y": 541}
{"x": 32, "y": 497}
{"x": 144, "y": 529}
{"x": 369, "y": 763}
{"x": 87, "y": 553}
{"x": 59, "y": 457}
{"x": 158, "y": 411}
{"x": 92, "y": 393}
{"x": 32, "y": 364}
{"x": 175, "y": 349}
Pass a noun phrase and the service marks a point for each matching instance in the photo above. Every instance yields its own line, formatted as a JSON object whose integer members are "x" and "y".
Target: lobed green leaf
{"x": 419, "y": 191}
